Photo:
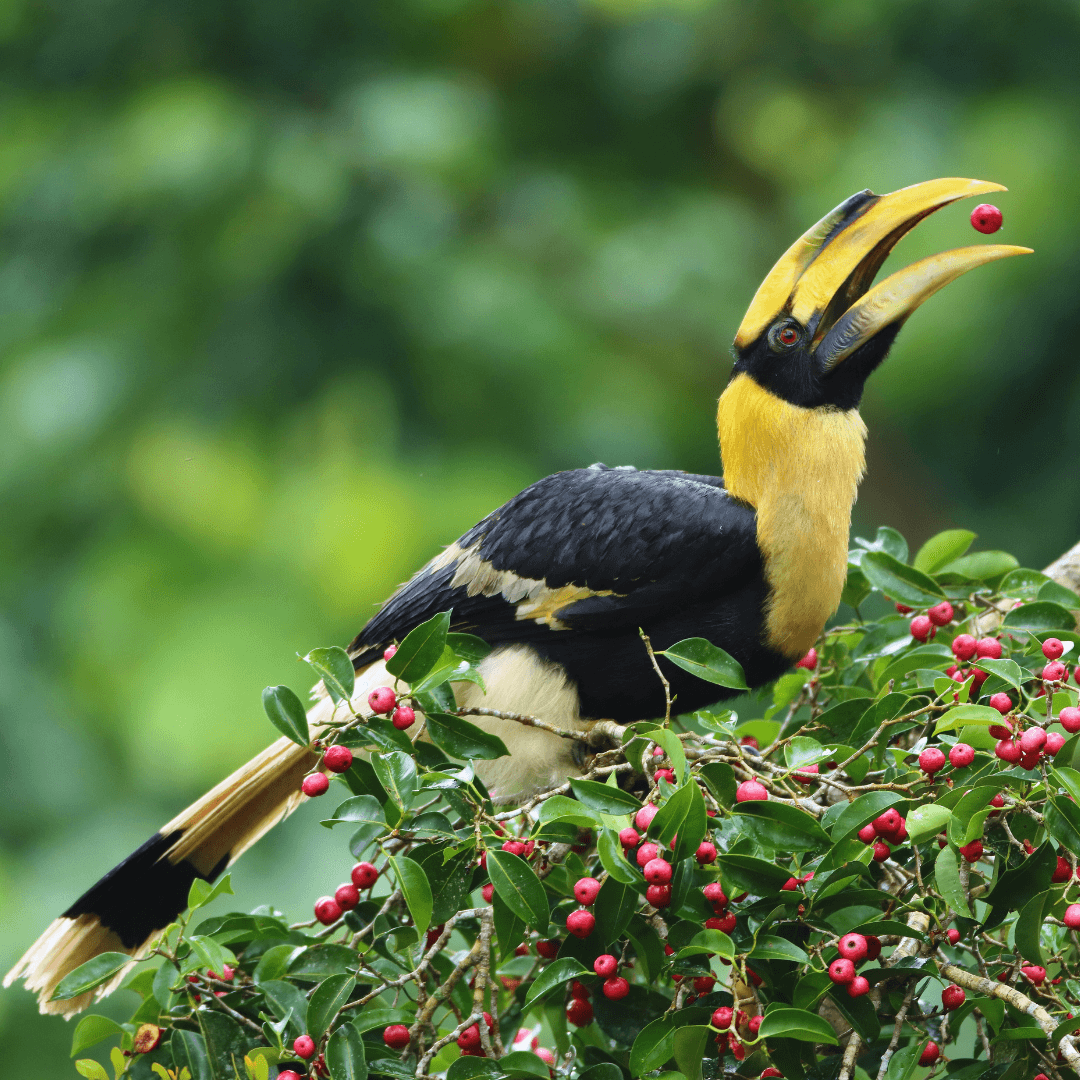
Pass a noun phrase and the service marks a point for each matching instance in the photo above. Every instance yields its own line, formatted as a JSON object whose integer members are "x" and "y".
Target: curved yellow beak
{"x": 823, "y": 280}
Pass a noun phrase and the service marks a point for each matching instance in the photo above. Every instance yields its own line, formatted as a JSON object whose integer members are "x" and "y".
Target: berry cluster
{"x": 886, "y": 831}
{"x": 854, "y": 949}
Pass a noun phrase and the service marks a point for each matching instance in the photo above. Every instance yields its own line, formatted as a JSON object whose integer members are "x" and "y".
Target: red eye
{"x": 788, "y": 336}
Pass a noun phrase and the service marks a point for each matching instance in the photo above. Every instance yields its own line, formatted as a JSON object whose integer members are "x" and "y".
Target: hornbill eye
{"x": 785, "y": 337}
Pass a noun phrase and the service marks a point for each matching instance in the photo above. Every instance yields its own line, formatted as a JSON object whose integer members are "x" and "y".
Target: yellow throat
{"x": 800, "y": 470}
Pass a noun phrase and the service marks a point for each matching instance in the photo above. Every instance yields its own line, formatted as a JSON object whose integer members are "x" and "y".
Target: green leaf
{"x": 1009, "y": 670}
{"x": 286, "y": 713}
{"x": 605, "y": 1070}
{"x": 1039, "y": 616}
{"x": 211, "y": 953}
{"x": 90, "y": 975}
{"x": 902, "y": 1064}
{"x": 773, "y": 947}
{"x": 562, "y": 808}
{"x": 924, "y": 656}
{"x": 361, "y": 810}
{"x": 202, "y": 892}
{"x": 1058, "y": 594}
{"x": 555, "y": 974}
{"x": 689, "y": 1049}
{"x": 796, "y": 1024}
{"x": 377, "y": 731}
{"x": 673, "y": 747}
{"x": 461, "y": 739}
{"x": 858, "y": 1012}
{"x": 326, "y": 958}
{"x": 786, "y": 828}
{"x": 615, "y": 906}
{"x": 421, "y": 650}
{"x": 166, "y": 977}
{"x": 711, "y": 941}
{"x": 91, "y": 1030}
{"x": 671, "y": 815}
{"x": 325, "y": 1001}
{"x": 369, "y": 1019}
{"x": 942, "y": 549}
{"x": 899, "y": 581}
{"x": 397, "y": 775}
{"x": 468, "y": 647}
{"x": 982, "y": 565}
{"x": 706, "y": 661}
{"x": 757, "y": 876}
{"x": 1063, "y": 822}
{"x": 720, "y": 777}
{"x": 416, "y": 889}
{"x": 653, "y": 1046}
{"x": 520, "y": 1063}
{"x": 509, "y": 929}
{"x": 335, "y": 669}
{"x": 287, "y": 1003}
{"x": 189, "y": 1052}
{"x": 1028, "y": 926}
{"x": 947, "y": 876}
{"x": 91, "y": 1069}
{"x": 927, "y": 820}
{"x": 1016, "y": 886}
{"x": 1068, "y": 778}
{"x": 519, "y": 887}
{"x": 612, "y": 859}
{"x": 967, "y": 714}
{"x": 865, "y": 808}
{"x": 694, "y": 828}
{"x": 345, "y": 1054}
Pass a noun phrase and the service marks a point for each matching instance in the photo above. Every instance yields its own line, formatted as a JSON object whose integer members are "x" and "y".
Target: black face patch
{"x": 781, "y": 360}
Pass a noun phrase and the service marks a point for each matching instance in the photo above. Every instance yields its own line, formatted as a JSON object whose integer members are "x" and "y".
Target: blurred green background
{"x": 293, "y": 293}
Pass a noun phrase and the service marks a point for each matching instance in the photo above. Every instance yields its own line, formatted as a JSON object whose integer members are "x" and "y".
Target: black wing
{"x": 595, "y": 550}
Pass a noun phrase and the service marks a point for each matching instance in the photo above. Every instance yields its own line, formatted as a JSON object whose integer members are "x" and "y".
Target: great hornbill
{"x": 561, "y": 578}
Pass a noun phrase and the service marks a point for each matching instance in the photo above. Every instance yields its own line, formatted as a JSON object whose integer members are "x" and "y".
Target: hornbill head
{"x": 816, "y": 329}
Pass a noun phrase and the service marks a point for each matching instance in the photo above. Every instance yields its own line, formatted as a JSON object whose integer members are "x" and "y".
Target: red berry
{"x": 887, "y": 823}
{"x": 853, "y": 947}
{"x": 314, "y": 785}
{"x": 972, "y": 852}
{"x": 347, "y": 897}
{"x": 988, "y": 648}
{"x": 805, "y": 774}
{"x": 868, "y": 834}
{"x": 941, "y": 614}
{"x": 579, "y": 990}
{"x": 288, "y": 1074}
{"x": 1055, "y": 672}
{"x": 963, "y": 646}
{"x": 722, "y": 1017}
{"x": 646, "y": 853}
{"x": 809, "y": 661}
{"x": 714, "y": 893}
{"x": 953, "y": 935}
{"x": 644, "y": 816}
{"x": 754, "y": 1024}
{"x": 585, "y": 890}
{"x": 327, "y": 910}
{"x": 952, "y": 997}
{"x": 706, "y": 853}
{"x": 605, "y": 966}
{"x": 514, "y": 847}
{"x": 751, "y": 791}
{"x": 986, "y": 219}
{"x": 749, "y": 740}
{"x": 1072, "y": 917}
{"x": 338, "y": 758}
{"x": 615, "y": 989}
{"x": 469, "y": 1039}
{"x": 658, "y": 895}
{"x": 1052, "y": 648}
{"x": 977, "y": 679}
{"x": 961, "y": 755}
{"x": 790, "y": 885}
{"x": 488, "y": 892}
{"x": 1032, "y": 741}
{"x": 841, "y": 971}
{"x": 929, "y": 1053}
{"x": 931, "y": 760}
{"x": 922, "y": 628}
{"x": 580, "y": 923}
{"x": 873, "y": 947}
{"x": 726, "y": 923}
{"x": 396, "y": 1036}
{"x": 544, "y": 1054}
{"x": 1069, "y": 718}
{"x": 1054, "y": 742}
{"x": 703, "y": 984}
{"x": 1000, "y": 731}
{"x": 1008, "y": 751}
{"x": 629, "y": 837}
{"x": 858, "y": 986}
{"x": 771, "y": 1071}
{"x": 304, "y": 1047}
{"x": 1034, "y": 973}
{"x": 903, "y": 609}
{"x": 364, "y": 875}
{"x": 1001, "y": 702}
{"x": 881, "y": 851}
{"x": 665, "y": 774}
{"x": 579, "y": 1012}
{"x": 657, "y": 872}
{"x": 548, "y": 948}
{"x": 382, "y": 700}
{"x": 403, "y": 717}
{"x": 389, "y": 651}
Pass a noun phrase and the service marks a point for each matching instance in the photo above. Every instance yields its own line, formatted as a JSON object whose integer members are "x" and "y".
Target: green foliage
{"x": 838, "y": 746}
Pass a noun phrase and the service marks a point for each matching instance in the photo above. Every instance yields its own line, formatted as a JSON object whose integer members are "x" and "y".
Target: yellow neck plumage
{"x": 800, "y": 470}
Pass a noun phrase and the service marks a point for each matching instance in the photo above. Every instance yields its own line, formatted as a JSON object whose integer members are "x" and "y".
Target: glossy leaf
{"x": 941, "y": 549}
{"x": 335, "y": 669}
{"x": 982, "y": 565}
{"x": 555, "y": 974}
{"x": 460, "y": 738}
{"x": 673, "y": 747}
{"x": 345, "y": 1056}
{"x": 798, "y": 1024}
{"x": 520, "y": 888}
{"x": 783, "y": 827}
{"x": 689, "y": 1048}
{"x": 397, "y": 775}
{"x": 189, "y": 1052}
{"x": 90, "y": 975}
{"x": 773, "y": 947}
{"x": 421, "y": 650}
{"x": 286, "y": 713}
{"x": 613, "y": 860}
{"x": 653, "y": 1047}
{"x": 91, "y": 1069}
{"x": 706, "y": 661}
{"x": 927, "y": 820}
{"x": 91, "y": 1030}
{"x": 671, "y": 815}
{"x": 1040, "y": 616}
{"x": 202, "y": 892}
{"x": 757, "y": 876}
{"x": 416, "y": 889}
{"x": 899, "y": 581}
{"x": 967, "y": 714}
{"x": 1028, "y": 926}
{"x": 360, "y": 810}
{"x": 468, "y": 647}
{"x": 1009, "y": 670}
{"x": 864, "y": 809}
{"x": 325, "y": 1001}
{"x": 947, "y": 878}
